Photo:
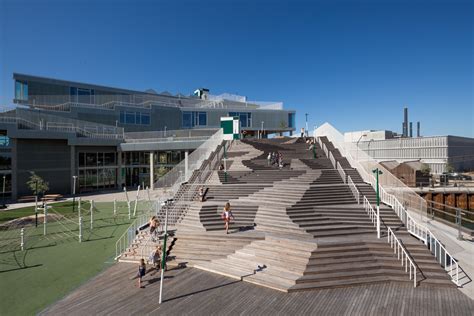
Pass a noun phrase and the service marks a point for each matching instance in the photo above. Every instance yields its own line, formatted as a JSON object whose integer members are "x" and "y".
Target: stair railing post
{"x": 115, "y": 207}
{"x": 79, "y": 207}
{"x": 129, "y": 210}
{"x": 136, "y": 202}
{"x": 163, "y": 259}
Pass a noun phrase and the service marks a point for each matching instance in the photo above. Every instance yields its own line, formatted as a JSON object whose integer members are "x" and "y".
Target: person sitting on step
{"x": 202, "y": 194}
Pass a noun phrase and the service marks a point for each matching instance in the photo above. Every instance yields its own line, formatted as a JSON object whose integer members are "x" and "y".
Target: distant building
{"x": 409, "y": 172}
{"x": 435, "y": 151}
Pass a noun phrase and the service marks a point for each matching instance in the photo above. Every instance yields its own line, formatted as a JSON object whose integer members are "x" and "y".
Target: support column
{"x": 119, "y": 172}
{"x": 186, "y": 164}
{"x": 152, "y": 171}
{"x": 14, "y": 181}
{"x": 73, "y": 167}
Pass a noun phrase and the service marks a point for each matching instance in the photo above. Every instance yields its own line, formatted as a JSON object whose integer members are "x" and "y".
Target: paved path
{"x": 191, "y": 291}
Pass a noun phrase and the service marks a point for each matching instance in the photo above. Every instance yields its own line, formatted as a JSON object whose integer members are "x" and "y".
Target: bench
{"x": 26, "y": 198}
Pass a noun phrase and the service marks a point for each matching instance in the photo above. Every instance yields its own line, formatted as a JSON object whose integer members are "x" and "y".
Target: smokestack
{"x": 411, "y": 129}
{"x": 418, "y": 129}
{"x": 405, "y": 120}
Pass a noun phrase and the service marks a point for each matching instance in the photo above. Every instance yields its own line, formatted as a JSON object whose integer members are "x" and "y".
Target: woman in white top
{"x": 226, "y": 216}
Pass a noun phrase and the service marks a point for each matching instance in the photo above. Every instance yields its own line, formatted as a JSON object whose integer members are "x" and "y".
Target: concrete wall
{"x": 50, "y": 159}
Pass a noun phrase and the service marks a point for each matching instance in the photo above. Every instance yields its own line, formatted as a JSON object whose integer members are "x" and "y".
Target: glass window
{"x": 100, "y": 159}
{"x": 187, "y": 120}
{"x": 21, "y": 90}
{"x": 291, "y": 120}
{"x": 84, "y": 95}
{"x": 249, "y": 119}
{"x": 130, "y": 117}
{"x": 122, "y": 117}
{"x": 91, "y": 159}
{"x": 145, "y": 119}
{"x": 202, "y": 118}
{"x": 82, "y": 159}
{"x": 109, "y": 159}
{"x": 243, "y": 119}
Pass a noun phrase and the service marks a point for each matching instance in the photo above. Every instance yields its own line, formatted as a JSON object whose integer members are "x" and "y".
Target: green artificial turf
{"x": 53, "y": 265}
{"x": 61, "y": 207}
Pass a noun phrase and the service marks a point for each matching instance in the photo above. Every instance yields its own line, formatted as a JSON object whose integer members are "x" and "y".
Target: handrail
{"x": 126, "y": 239}
{"x": 341, "y": 171}
{"x": 333, "y": 160}
{"x": 437, "y": 248}
{"x": 354, "y": 189}
{"x": 370, "y": 210}
{"x": 401, "y": 251}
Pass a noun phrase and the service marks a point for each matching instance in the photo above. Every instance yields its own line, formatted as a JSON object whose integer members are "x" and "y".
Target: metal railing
{"x": 127, "y": 238}
{"x": 341, "y": 171}
{"x": 402, "y": 254}
{"x": 354, "y": 189}
{"x": 400, "y": 197}
{"x": 370, "y": 210}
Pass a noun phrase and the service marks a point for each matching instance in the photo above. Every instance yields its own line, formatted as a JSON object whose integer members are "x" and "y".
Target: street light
{"x": 357, "y": 144}
{"x": 74, "y": 193}
{"x": 377, "y": 172}
{"x": 306, "y": 128}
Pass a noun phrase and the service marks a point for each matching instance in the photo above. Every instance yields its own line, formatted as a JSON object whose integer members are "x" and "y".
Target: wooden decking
{"x": 191, "y": 291}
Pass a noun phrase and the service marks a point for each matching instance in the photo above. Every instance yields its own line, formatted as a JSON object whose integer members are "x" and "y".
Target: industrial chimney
{"x": 418, "y": 129}
{"x": 405, "y": 120}
{"x": 411, "y": 129}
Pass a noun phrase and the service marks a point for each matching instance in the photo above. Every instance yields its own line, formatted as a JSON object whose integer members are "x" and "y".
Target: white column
{"x": 186, "y": 164}
{"x": 152, "y": 171}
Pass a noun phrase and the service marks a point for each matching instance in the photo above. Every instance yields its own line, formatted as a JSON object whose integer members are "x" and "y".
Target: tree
{"x": 282, "y": 126}
{"x": 449, "y": 168}
{"x": 425, "y": 169}
{"x": 161, "y": 171}
{"x": 37, "y": 184}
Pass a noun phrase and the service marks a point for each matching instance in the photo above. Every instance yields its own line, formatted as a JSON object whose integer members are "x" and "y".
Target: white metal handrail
{"x": 354, "y": 189}
{"x": 402, "y": 254}
{"x": 341, "y": 171}
{"x": 333, "y": 161}
{"x": 129, "y": 235}
{"x": 370, "y": 210}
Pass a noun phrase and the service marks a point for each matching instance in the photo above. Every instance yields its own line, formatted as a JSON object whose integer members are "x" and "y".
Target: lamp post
{"x": 377, "y": 172}
{"x": 357, "y": 145}
{"x": 306, "y": 125}
{"x": 74, "y": 193}
{"x": 261, "y": 133}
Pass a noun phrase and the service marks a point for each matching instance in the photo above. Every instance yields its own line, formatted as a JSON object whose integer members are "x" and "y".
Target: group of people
{"x": 275, "y": 158}
{"x": 154, "y": 259}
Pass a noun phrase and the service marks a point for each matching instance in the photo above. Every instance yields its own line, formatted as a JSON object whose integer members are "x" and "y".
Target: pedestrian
{"x": 269, "y": 158}
{"x": 141, "y": 272}
{"x": 201, "y": 194}
{"x": 227, "y": 216}
{"x": 155, "y": 257}
{"x": 302, "y": 132}
{"x": 280, "y": 160}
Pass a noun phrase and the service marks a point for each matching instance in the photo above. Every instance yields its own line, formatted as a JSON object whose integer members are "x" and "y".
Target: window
{"x": 134, "y": 118}
{"x": 21, "y": 90}
{"x": 192, "y": 119}
{"x": 245, "y": 118}
{"x": 291, "y": 120}
{"x": 81, "y": 95}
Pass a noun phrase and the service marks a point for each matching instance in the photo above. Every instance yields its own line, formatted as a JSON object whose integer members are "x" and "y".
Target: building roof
{"x": 390, "y": 164}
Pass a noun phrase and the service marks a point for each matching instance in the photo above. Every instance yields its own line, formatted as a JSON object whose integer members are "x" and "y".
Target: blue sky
{"x": 355, "y": 64}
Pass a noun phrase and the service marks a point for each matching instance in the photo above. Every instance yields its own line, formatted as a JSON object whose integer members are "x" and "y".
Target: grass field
{"x": 53, "y": 265}
{"x": 8, "y": 215}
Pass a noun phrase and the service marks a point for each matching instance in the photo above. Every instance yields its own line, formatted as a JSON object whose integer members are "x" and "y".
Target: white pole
{"x": 148, "y": 193}
{"x": 92, "y": 215}
{"x": 80, "y": 228}
{"x": 126, "y": 194}
{"x": 136, "y": 202}
{"x": 45, "y": 220}
{"x": 378, "y": 221}
{"x": 79, "y": 207}
{"x": 22, "y": 235}
{"x": 163, "y": 264}
{"x": 129, "y": 210}
{"x": 152, "y": 171}
{"x": 115, "y": 207}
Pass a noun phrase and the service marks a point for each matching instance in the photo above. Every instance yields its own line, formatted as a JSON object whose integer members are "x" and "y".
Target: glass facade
{"x": 193, "y": 119}
{"x": 21, "y": 90}
{"x": 136, "y": 118}
{"x": 291, "y": 120}
{"x": 97, "y": 171}
{"x": 80, "y": 95}
{"x": 245, "y": 118}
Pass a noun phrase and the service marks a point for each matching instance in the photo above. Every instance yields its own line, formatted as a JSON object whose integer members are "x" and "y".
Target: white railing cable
{"x": 354, "y": 189}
